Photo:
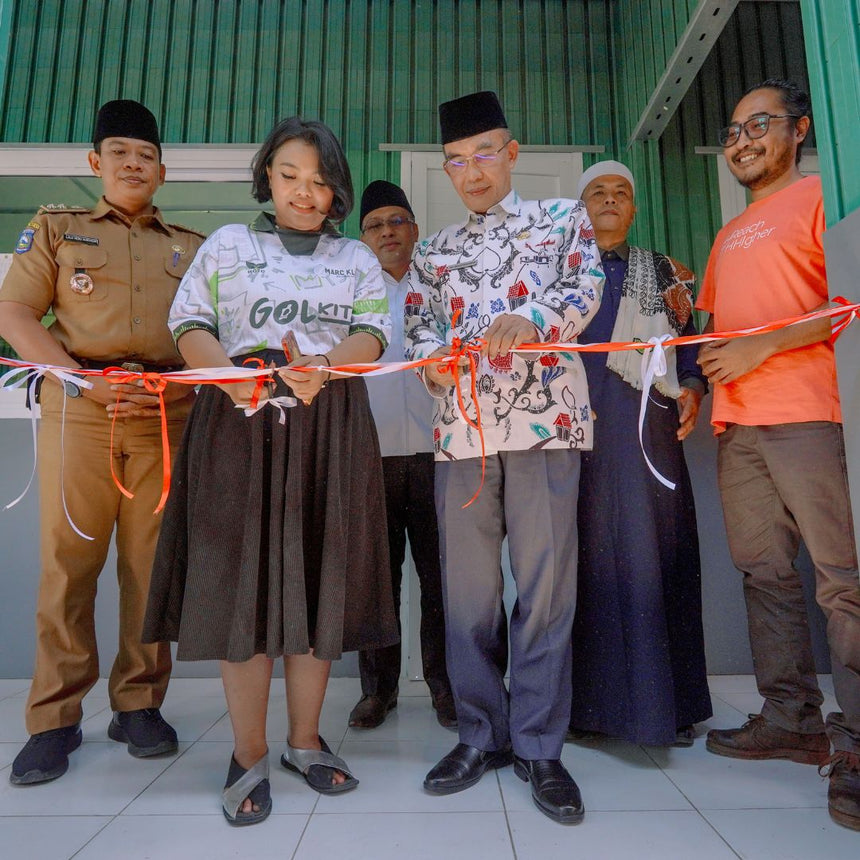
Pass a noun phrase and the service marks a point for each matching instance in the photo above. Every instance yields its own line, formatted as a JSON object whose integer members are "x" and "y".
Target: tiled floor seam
{"x": 94, "y": 836}
{"x": 694, "y": 807}
{"x": 507, "y": 819}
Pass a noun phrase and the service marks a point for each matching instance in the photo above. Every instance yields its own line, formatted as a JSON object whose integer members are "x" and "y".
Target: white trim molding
{"x": 185, "y": 162}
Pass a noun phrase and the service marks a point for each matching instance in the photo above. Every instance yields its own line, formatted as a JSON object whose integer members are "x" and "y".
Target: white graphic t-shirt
{"x": 247, "y": 290}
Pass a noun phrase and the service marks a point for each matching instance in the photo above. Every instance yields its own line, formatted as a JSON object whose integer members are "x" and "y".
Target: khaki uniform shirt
{"x": 134, "y": 268}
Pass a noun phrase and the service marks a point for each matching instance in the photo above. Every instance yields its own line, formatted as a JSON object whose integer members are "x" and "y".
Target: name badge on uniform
{"x": 86, "y": 240}
{"x": 81, "y": 283}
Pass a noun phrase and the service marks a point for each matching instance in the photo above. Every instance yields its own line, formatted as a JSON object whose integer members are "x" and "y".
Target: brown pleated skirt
{"x": 274, "y": 535}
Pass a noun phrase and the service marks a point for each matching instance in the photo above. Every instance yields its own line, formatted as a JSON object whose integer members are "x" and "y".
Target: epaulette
{"x": 54, "y": 208}
{"x": 182, "y": 228}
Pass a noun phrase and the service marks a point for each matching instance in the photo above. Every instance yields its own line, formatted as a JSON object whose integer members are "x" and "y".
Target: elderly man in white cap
{"x": 639, "y": 668}
{"x": 512, "y": 271}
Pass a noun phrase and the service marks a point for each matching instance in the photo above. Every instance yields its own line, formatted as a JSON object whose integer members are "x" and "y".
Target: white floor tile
{"x": 715, "y": 782}
{"x": 13, "y": 686}
{"x": 194, "y": 782}
{"x": 192, "y": 688}
{"x": 193, "y": 716}
{"x": 731, "y": 684}
{"x": 640, "y": 802}
{"x": 102, "y": 779}
{"x": 617, "y": 836}
{"x": 416, "y": 836}
{"x": 412, "y": 719}
{"x": 12, "y": 728}
{"x": 725, "y": 716}
{"x": 8, "y": 751}
{"x": 194, "y": 837}
{"x": 391, "y": 774}
{"x": 610, "y": 775}
{"x": 47, "y": 838}
{"x": 413, "y": 688}
{"x": 785, "y": 834}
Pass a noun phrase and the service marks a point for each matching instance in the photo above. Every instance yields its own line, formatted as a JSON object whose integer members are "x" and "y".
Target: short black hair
{"x": 794, "y": 101}
{"x": 333, "y": 165}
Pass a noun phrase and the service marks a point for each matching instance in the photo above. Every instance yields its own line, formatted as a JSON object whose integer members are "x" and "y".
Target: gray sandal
{"x": 242, "y": 785}
{"x": 316, "y": 766}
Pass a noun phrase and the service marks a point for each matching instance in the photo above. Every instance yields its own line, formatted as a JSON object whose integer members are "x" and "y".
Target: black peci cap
{"x": 470, "y": 115}
{"x": 126, "y": 118}
{"x": 381, "y": 193}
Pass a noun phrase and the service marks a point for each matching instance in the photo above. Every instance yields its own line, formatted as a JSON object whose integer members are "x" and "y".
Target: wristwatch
{"x": 71, "y": 388}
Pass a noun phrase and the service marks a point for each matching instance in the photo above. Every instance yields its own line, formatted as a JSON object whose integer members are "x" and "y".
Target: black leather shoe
{"x": 371, "y": 711}
{"x": 463, "y": 767}
{"x": 45, "y": 756}
{"x": 145, "y": 731}
{"x": 553, "y": 790}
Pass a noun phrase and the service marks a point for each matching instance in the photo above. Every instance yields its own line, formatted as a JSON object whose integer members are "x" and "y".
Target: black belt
{"x": 91, "y": 364}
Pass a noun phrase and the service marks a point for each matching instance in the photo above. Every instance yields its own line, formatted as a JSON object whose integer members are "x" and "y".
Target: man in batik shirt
{"x": 512, "y": 272}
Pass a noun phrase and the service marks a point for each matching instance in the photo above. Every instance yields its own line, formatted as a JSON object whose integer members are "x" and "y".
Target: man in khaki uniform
{"x": 109, "y": 274}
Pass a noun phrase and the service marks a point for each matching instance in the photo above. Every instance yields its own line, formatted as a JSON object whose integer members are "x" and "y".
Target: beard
{"x": 764, "y": 172}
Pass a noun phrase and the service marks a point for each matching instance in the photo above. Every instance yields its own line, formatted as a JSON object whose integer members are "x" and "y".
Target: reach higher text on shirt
{"x": 743, "y": 237}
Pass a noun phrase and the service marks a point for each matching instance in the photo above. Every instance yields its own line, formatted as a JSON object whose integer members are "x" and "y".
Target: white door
{"x": 537, "y": 175}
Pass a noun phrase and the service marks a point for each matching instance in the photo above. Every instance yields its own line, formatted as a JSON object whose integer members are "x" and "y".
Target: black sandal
{"x": 241, "y": 785}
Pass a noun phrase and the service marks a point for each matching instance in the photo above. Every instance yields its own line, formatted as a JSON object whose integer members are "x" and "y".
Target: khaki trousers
{"x": 67, "y": 663}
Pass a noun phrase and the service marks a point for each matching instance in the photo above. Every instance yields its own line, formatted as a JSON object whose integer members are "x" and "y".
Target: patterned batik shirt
{"x": 534, "y": 258}
{"x": 247, "y": 290}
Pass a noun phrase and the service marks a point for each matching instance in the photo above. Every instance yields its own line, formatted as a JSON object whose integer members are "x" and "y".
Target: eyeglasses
{"x": 481, "y": 159}
{"x": 755, "y": 128}
{"x": 394, "y": 221}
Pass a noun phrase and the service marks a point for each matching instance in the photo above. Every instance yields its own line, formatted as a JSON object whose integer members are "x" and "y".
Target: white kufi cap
{"x": 604, "y": 168}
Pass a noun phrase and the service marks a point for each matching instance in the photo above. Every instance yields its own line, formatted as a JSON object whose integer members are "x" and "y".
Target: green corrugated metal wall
{"x": 833, "y": 30}
{"x": 677, "y": 193}
{"x": 567, "y": 72}
{"x": 375, "y": 71}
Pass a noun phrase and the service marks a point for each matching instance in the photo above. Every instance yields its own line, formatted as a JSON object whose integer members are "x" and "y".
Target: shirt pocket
{"x": 176, "y": 263}
{"x": 82, "y": 276}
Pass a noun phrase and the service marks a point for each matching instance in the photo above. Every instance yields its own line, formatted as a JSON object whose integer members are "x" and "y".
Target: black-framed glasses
{"x": 393, "y": 222}
{"x": 481, "y": 159}
{"x": 755, "y": 128}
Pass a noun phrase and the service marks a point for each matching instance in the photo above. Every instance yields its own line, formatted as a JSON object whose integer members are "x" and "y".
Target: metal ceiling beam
{"x": 696, "y": 42}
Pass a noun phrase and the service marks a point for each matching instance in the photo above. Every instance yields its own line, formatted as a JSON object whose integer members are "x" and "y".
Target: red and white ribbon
{"x": 653, "y": 365}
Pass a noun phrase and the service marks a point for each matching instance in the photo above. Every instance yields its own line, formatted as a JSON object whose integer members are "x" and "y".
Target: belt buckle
{"x": 133, "y": 367}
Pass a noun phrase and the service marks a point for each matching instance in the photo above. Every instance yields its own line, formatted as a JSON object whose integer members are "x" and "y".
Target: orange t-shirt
{"x": 768, "y": 264}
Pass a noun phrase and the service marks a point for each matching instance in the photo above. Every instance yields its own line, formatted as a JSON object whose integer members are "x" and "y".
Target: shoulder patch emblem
{"x": 25, "y": 241}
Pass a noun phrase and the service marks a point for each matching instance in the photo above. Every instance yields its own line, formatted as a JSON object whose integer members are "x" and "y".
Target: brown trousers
{"x": 67, "y": 663}
{"x": 781, "y": 483}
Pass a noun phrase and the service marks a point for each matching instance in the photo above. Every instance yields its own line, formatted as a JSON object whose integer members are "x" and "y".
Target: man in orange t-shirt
{"x": 781, "y": 461}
